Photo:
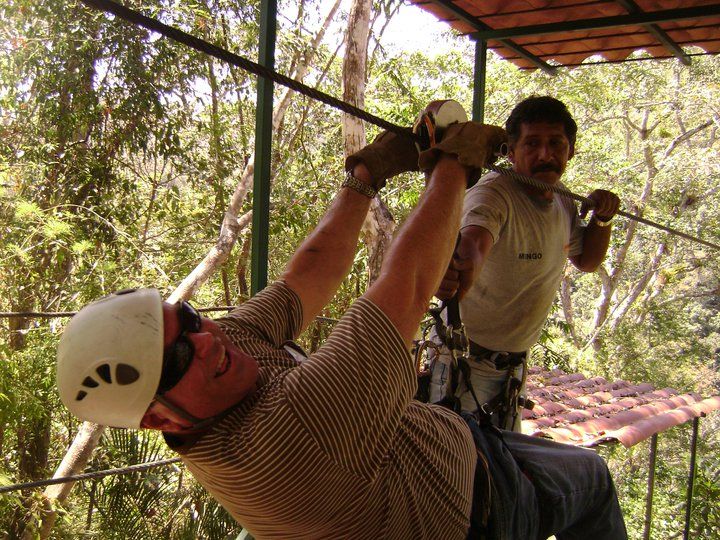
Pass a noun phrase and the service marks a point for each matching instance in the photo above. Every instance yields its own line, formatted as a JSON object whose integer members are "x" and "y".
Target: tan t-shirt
{"x": 507, "y": 305}
{"x": 335, "y": 447}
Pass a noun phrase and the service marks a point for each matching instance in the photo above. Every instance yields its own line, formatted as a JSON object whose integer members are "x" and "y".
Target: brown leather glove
{"x": 473, "y": 143}
{"x": 389, "y": 154}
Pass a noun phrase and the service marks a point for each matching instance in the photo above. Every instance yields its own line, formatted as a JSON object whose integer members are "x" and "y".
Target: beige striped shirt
{"x": 335, "y": 447}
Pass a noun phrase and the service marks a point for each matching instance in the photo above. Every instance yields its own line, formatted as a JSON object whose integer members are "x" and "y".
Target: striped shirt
{"x": 335, "y": 447}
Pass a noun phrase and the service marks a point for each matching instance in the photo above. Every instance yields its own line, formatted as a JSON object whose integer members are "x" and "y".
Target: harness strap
{"x": 452, "y": 335}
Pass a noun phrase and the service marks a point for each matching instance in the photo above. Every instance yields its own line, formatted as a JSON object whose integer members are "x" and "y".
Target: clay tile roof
{"x": 516, "y": 29}
{"x": 573, "y": 409}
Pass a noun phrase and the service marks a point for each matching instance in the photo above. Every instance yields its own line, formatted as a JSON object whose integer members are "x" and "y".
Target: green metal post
{"x": 263, "y": 149}
{"x": 650, "y": 487}
{"x": 478, "y": 107}
{"x": 691, "y": 477}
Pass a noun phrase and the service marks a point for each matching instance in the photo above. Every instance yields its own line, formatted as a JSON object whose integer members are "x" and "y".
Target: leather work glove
{"x": 389, "y": 154}
{"x": 474, "y": 144}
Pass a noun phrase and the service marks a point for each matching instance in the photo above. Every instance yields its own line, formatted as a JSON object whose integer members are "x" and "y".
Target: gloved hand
{"x": 389, "y": 154}
{"x": 473, "y": 143}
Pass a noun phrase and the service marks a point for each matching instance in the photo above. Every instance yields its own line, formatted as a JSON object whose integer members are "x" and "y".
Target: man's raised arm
{"x": 322, "y": 261}
{"x": 419, "y": 256}
{"x": 596, "y": 237}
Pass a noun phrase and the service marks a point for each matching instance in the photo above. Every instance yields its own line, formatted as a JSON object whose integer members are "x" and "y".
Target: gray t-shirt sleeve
{"x": 486, "y": 206}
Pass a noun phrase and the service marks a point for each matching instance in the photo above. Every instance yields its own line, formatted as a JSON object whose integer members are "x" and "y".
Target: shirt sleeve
{"x": 274, "y": 316}
{"x": 577, "y": 229}
{"x": 486, "y": 206}
{"x": 351, "y": 394}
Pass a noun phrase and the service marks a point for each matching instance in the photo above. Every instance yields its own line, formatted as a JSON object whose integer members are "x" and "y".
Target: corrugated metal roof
{"x": 578, "y": 29}
{"x": 573, "y": 409}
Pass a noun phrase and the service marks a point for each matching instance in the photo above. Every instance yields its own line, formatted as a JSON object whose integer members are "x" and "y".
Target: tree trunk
{"x": 567, "y": 306}
{"x": 610, "y": 283}
{"x": 74, "y": 461}
{"x": 379, "y": 225}
{"x": 232, "y": 225}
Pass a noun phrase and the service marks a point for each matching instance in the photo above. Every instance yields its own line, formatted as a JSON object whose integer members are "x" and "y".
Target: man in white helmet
{"x": 297, "y": 450}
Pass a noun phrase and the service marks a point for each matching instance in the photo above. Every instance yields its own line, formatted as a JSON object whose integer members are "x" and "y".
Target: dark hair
{"x": 540, "y": 109}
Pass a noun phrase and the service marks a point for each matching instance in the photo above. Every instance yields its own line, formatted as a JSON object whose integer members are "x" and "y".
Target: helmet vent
{"x": 125, "y": 374}
{"x": 104, "y": 372}
{"x": 90, "y": 382}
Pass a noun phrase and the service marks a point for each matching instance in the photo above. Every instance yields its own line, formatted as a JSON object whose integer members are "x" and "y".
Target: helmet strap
{"x": 198, "y": 424}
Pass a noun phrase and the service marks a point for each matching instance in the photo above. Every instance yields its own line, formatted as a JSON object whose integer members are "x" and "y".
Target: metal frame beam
{"x": 634, "y": 19}
{"x": 691, "y": 476}
{"x": 650, "y": 487}
{"x": 657, "y": 32}
{"x": 473, "y": 21}
{"x": 263, "y": 150}
{"x": 478, "y": 105}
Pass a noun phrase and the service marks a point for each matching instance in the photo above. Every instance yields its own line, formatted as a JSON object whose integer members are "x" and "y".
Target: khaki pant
{"x": 487, "y": 382}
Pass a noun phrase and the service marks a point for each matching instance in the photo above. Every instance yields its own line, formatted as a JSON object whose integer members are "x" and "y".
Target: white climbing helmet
{"x": 110, "y": 358}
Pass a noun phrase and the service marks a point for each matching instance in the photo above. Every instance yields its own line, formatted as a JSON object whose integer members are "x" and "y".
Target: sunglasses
{"x": 178, "y": 357}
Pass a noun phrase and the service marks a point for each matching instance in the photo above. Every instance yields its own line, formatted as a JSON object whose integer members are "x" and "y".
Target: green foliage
{"x": 118, "y": 155}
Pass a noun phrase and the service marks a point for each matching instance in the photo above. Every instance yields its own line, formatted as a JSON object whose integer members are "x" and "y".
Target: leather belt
{"x": 501, "y": 359}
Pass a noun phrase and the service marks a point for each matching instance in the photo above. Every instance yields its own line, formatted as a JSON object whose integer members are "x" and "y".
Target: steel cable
{"x": 560, "y": 190}
{"x": 86, "y": 476}
{"x": 198, "y": 44}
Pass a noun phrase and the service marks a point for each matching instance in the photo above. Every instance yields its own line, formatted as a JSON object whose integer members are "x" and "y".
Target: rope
{"x": 243, "y": 63}
{"x": 253, "y": 67}
{"x": 569, "y": 194}
{"x": 91, "y": 475}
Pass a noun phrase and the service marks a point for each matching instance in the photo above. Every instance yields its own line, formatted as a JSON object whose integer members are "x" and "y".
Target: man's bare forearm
{"x": 419, "y": 255}
{"x": 596, "y": 240}
{"x": 324, "y": 259}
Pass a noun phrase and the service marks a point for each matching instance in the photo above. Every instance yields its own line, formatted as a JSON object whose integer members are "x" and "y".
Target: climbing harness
{"x": 450, "y": 341}
{"x": 429, "y": 128}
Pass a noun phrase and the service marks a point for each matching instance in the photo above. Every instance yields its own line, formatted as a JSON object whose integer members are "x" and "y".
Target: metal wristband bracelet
{"x": 358, "y": 185}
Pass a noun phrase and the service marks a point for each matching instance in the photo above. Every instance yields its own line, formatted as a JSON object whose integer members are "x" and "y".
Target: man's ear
{"x": 572, "y": 152}
{"x": 153, "y": 420}
{"x": 511, "y": 152}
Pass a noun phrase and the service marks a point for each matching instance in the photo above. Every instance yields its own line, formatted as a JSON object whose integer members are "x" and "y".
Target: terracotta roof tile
{"x": 573, "y": 409}
{"x": 573, "y": 47}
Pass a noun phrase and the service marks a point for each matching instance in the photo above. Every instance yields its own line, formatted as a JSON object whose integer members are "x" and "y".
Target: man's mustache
{"x": 546, "y": 167}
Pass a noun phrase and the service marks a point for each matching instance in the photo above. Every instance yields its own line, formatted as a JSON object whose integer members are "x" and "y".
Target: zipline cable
{"x": 59, "y": 314}
{"x": 203, "y": 46}
{"x": 198, "y": 44}
{"x": 85, "y": 476}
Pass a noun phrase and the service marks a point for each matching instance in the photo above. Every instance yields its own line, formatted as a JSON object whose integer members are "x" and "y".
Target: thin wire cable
{"x": 59, "y": 314}
{"x": 198, "y": 44}
{"x": 140, "y": 467}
